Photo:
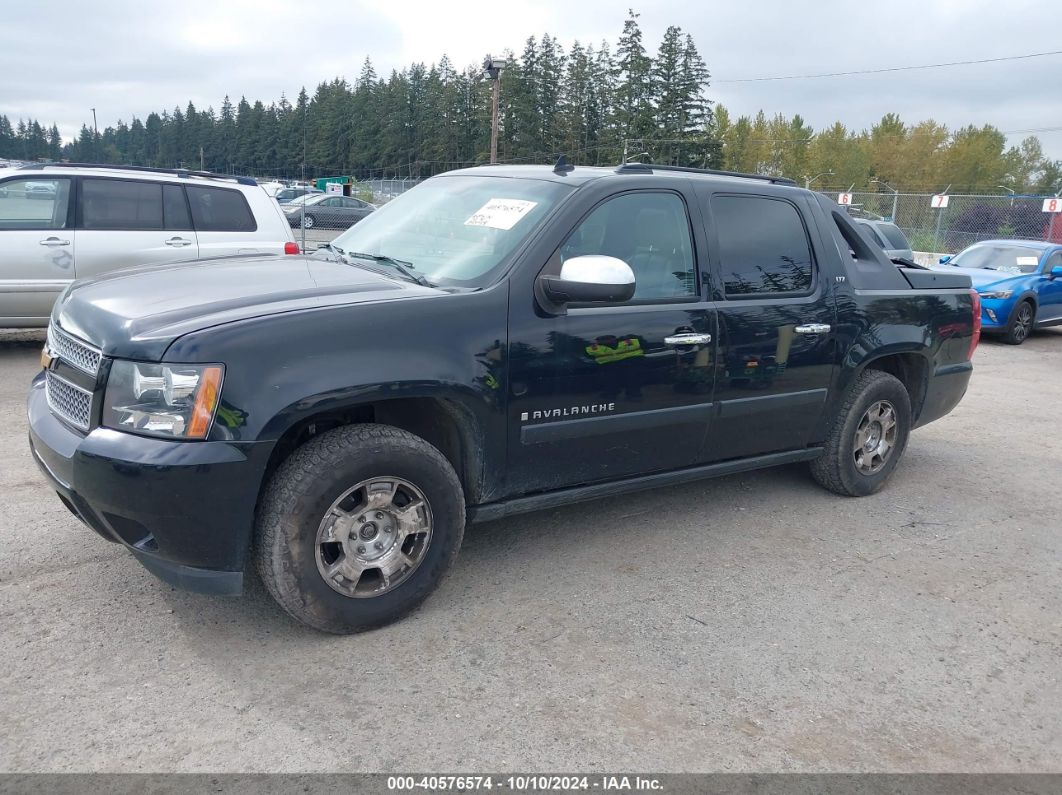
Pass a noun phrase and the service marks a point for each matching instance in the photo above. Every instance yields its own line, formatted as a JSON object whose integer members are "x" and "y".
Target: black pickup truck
{"x": 497, "y": 340}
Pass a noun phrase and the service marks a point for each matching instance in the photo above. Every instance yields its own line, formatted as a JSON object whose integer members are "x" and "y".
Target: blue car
{"x": 1020, "y": 284}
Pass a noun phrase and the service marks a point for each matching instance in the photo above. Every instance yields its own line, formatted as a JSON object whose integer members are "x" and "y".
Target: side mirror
{"x": 1056, "y": 272}
{"x": 591, "y": 278}
{"x": 945, "y": 259}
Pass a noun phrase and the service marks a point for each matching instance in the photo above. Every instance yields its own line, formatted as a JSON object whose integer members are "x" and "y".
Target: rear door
{"x": 776, "y": 316}
{"x": 37, "y": 244}
{"x": 224, "y": 223}
{"x": 124, "y": 222}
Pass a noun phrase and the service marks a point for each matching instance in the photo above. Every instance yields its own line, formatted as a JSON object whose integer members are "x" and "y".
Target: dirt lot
{"x": 750, "y": 623}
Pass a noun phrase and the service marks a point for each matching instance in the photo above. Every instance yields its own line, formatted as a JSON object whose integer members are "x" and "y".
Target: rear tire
{"x": 387, "y": 552}
{"x": 868, "y": 437}
{"x": 309, "y": 222}
{"x": 1021, "y": 323}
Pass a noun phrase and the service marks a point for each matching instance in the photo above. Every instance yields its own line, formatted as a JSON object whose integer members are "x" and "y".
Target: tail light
{"x": 976, "y": 323}
{"x": 293, "y": 248}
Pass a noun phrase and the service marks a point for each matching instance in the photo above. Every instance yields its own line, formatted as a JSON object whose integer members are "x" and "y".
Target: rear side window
{"x": 763, "y": 246}
{"x": 175, "y": 208}
{"x": 220, "y": 210}
{"x": 121, "y": 204}
{"x": 893, "y": 234}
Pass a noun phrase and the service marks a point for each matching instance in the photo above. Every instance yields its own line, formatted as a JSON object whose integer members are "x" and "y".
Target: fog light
{"x": 991, "y": 315}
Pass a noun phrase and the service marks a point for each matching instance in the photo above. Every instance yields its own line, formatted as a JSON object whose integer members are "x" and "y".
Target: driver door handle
{"x": 54, "y": 241}
{"x": 812, "y": 328}
{"x": 688, "y": 339}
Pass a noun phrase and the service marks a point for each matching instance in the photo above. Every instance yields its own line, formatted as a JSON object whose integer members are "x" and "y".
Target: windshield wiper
{"x": 403, "y": 267}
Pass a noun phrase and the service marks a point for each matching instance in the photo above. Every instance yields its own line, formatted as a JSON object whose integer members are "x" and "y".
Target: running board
{"x": 553, "y": 499}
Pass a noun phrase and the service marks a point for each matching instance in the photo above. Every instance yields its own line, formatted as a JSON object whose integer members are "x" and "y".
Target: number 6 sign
{"x": 844, "y": 199}
{"x": 1053, "y": 205}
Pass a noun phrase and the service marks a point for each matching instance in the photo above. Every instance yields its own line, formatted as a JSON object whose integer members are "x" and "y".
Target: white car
{"x": 61, "y": 222}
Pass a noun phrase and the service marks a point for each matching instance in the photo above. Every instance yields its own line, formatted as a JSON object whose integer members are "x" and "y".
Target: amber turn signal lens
{"x": 206, "y": 400}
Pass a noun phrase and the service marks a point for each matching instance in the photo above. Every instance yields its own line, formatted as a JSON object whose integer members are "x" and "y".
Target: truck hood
{"x": 137, "y": 312}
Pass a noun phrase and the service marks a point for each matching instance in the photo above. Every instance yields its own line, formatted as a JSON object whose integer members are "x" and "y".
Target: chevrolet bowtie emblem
{"x": 46, "y": 357}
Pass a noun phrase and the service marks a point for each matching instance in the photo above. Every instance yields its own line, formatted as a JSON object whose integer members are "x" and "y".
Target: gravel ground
{"x": 750, "y": 623}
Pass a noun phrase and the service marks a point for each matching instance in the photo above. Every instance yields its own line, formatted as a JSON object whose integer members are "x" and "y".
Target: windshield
{"x": 892, "y": 233}
{"x": 455, "y": 230}
{"x": 306, "y": 198}
{"x": 1008, "y": 259}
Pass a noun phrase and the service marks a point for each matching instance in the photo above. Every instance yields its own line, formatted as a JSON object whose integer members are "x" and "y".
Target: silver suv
{"x": 59, "y": 222}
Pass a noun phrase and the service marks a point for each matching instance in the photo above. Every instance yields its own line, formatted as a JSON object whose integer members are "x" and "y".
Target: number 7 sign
{"x": 1053, "y": 205}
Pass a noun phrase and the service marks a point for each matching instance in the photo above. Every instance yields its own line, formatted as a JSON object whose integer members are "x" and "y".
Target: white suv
{"x": 59, "y": 222}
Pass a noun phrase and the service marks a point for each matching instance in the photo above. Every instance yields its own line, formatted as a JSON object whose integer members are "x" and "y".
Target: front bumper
{"x": 184, "y": 509}
{"x": 995, "y": 314}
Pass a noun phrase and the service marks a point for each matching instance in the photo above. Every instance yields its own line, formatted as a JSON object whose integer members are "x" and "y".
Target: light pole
{"x": 808, "y": 180}
{"x": 492, "y": 69}
{"x": 1011, "y": 191}
{"x": 95, "y": 137}
{"x": 895, "y": 195}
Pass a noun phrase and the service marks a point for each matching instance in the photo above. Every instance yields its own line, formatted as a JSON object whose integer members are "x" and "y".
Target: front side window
{"x": 220, "y": 210}
{"x": 34, "y": 203}
{"x": 651, "y": 233}
{"x": 121, "y": 204}
{"x": 455, "y": 230}
{"x": 763, "y": 246}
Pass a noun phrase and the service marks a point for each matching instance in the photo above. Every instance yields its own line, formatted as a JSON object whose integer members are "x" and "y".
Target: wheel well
{"x": 442, "y": 423}
{"x": 911, "y": 370}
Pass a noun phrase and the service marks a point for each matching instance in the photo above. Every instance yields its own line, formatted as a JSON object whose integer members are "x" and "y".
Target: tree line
{"x": 595, "y": 104}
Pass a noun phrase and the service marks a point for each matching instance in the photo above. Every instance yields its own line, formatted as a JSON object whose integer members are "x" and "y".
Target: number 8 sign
{"x": 1053, "y": 205}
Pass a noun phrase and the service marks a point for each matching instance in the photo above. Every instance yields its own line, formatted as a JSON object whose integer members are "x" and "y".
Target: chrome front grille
{"x": 70, "y": 402}
{"x": 73, "y": 351}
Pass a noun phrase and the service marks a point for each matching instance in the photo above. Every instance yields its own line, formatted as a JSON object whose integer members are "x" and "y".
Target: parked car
{"x": 326, "y": 211}
{"x": 1019, "y": 281}
{"x": 288, "y": 194}
{"x": 889, "y": 236}
{"x": 495, "y": 340}
{"x": 86, "y": 220}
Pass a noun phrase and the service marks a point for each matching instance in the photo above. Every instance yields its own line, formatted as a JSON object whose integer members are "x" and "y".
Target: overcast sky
{"x": 59, "y": 59}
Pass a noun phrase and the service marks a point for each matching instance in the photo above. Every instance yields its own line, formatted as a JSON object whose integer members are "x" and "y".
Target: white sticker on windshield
{"x": 500, "y": 213}
{"x": 1027, "y": 260}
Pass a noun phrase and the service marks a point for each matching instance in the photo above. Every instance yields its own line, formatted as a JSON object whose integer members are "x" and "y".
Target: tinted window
{"x": 34, "y": 203}
{"x": 175, "y": 208}
{"x": 648, "y": 231}
{"x": 894, "y": 236}
{"x": 220, "y": 210}
{"x": 121, "y": 204}
{"x": 763, "y": 247}
{"x": 1054, "y": 261}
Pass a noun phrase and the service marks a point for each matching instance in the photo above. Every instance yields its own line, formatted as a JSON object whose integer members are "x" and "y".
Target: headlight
{"x": 997, "y": 294}
{"x": 171, "y": 400}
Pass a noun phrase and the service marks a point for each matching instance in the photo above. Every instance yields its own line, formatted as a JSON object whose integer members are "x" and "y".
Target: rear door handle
{"x": 812, "y": 328}
{"x": 688, "y": 339}
{"x": 177, "y": 242}
{"x": 54, "y": 241}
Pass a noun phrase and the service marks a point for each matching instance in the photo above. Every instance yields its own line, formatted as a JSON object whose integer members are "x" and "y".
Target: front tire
{"x": 358, "y": 527}
{"x": 868, "y": 437}
{"x": 309, "y": 222}
{"x": 1021, "y": 324}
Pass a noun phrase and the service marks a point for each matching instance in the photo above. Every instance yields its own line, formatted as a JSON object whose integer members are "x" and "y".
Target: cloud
{"x": 128, "y": 59}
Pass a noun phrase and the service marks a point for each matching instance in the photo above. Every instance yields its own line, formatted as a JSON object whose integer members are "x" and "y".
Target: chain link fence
{"x": 967, "y": 218}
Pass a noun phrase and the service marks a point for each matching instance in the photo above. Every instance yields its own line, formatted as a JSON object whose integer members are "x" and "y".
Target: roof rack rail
{"x": 183, "y": 173}
{"x": 649, "y": 168}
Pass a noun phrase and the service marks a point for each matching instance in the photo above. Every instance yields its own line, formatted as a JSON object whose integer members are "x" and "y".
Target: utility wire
{"x": 890, "y": 68}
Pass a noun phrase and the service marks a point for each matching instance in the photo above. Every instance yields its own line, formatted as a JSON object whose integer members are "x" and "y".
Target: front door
{"x": 129, "y": 222}
{"x": 36, "y": 247}
{"x": 603, "y": 392}
{"x": 776, "y": 317}
{"x": 1050, "y": 292}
